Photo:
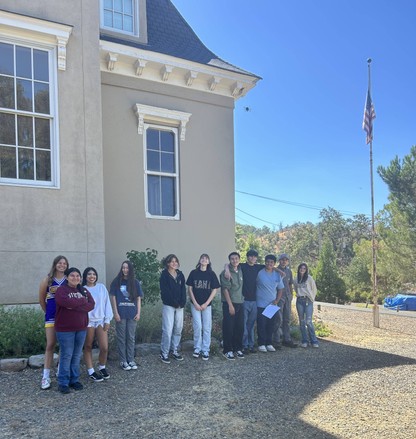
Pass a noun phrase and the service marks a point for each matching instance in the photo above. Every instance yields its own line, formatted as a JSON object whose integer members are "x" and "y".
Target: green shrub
{"x": 22, "y": 332}
{"x": 149, "y": 328}
{"x": 147, "y": 268}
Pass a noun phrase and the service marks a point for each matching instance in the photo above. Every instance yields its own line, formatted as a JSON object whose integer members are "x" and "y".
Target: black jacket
{"x": 173, "y": 291}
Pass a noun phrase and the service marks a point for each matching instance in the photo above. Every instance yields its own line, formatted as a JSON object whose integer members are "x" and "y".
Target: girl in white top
{"x": 98, "y": 325}
{"x": 305, "y": 288}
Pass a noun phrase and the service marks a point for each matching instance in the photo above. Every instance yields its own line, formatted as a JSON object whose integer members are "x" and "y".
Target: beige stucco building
{"x": 116, "y": 134}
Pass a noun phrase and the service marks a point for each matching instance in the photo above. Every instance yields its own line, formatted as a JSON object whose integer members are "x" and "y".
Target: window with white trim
{"x": 27, "y": 117}
{"x": 161, "y": 171}
{"x": 120, "y": 16}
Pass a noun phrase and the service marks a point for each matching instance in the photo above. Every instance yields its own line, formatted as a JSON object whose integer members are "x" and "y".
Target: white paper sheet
{"x": 270, "y": 310}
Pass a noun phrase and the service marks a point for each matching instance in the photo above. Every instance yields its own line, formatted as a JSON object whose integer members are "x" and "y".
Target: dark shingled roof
{"x": 169, "y": 33}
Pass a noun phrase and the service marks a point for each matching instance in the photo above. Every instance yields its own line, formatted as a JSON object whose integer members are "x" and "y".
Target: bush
{"x": 149, "y": 328}
{"x": 147, "y": 269}
{"x": 21, "y": 331}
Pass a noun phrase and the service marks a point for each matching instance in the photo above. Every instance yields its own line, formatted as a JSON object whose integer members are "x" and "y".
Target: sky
{"x": 298, "y": 133}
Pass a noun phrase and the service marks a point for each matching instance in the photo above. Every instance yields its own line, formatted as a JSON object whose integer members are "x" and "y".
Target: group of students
{"x": 248, "y": 289}
{"x": 78, "y": 309}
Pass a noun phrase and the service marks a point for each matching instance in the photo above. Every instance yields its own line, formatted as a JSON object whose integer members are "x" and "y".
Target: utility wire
{"x": 293, "y": 203}
{"x": 256, "y": 217}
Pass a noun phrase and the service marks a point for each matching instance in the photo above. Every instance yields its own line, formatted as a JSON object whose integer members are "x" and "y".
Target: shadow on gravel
{"x": 261, "y": 396}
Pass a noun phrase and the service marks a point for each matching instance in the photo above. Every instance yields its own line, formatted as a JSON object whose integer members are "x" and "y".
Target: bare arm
{"x": 278, "y": 296}
{"x": 139, "y": 307}
{"x": 115, "y": 311}
{"x": 42, "y": 293}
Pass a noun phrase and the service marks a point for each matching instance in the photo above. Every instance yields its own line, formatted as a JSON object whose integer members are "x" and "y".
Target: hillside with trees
{"x": 338, "y": 249}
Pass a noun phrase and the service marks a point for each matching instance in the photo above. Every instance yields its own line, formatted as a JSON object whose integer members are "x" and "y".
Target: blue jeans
{"x": 250, "y": 316}
{"x": 172, "y": 323}
{"x": 126, "y": 339}
{"x": 202, "y": 324}
{"x": 70, "y": 352}
{"x": 304, "y": 308}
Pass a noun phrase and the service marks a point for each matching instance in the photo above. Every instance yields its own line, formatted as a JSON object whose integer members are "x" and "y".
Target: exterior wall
{"x": 37, "y": 224}
{"x": 206, "y": 160}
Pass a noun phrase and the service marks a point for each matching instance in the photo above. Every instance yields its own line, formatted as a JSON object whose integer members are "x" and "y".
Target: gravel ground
{"x": 358, "y": 384}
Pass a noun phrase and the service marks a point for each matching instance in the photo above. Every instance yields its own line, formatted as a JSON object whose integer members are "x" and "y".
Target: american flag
{"x": 369, "y": 115}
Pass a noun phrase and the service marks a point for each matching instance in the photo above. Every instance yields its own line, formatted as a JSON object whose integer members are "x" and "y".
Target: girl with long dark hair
{"x": 305, "y": 288}
{"x": 126, "y": 295}
{"x": 202, "y": 286}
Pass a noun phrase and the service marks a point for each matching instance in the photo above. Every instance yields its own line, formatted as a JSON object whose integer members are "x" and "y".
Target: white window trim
{"x": 136, "y": 25}
{"x": 162, "y": 119}
{"x": 53, "y": 37}
{"x": 36, "y": 31}
{"x": 163, "y": 116}
{"x": 174, "y": 175}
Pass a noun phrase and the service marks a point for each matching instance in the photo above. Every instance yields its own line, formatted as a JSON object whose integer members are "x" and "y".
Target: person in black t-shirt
{"x": 202, "y": 286}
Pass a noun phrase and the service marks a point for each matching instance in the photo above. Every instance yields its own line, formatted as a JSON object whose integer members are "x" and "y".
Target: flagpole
{"x": 376, "y": 311}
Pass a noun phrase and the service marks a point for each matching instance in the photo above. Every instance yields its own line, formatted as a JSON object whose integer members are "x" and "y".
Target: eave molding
{"x": 148, "y": 113}
{"x": 35, "y": 30}
{"x": 157, "y": 67}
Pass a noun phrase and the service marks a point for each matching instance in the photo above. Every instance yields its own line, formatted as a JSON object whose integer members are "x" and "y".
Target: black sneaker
{"x": 205, "y": 356}
{"x": 164, "y": 359}
{"x": 246, "y": 351}
{"x": 76, "y": 386}
{"x": 104, "y": 373}
{"x": 64, "y": 389}
{"x": 96, "y": 377}
{"x": 253, "y": 350}
{"x": 289, "y": 344}
{"x": 239, "y": 354}
{"x": 177, "y": 356}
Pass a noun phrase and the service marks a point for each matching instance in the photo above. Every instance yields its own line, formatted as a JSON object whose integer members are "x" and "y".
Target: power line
{"x": 293, "y": 203}
{"x": 256, "y": 217}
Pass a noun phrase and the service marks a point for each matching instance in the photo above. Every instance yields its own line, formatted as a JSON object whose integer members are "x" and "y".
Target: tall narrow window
{"x": 161, "y": 172}
{"x": 120, "y": 15}
{"x": 26, "y": 115}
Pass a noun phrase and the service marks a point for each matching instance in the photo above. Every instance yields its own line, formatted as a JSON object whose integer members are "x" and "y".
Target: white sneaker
{"x": 46, "y": 383}
{"x": 315, "y": 345}
{"x": 133, "y": 365}
{"x": 304, "y": 345}
{"x": 262, "y": 348}
{"x": 270, "y": 348}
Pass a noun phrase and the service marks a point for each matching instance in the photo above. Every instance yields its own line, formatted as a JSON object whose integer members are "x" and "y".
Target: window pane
{"x": 43, "y": 165}
{"x": 41, "y": 98}
{"x": 40, "y": 65}
{"x": 108, "y": 4}
{"x": 168, "y": 196}
{"x": 26, "y": 168}
{"x": 153, "y": 161}
{"x": 6, "y": 59}
{"x": 42, "y": 133}
{"x": 118, "y": 21}
{"x": 153, "y": 195}
{"x": 7, "y": 162}
{"x": 118, "y": 5}
{"x": 7, "y": 131}
{"x": 128, "y": 7}
{"x": 6, "y": 92}
{"x": 128, "y": 23}
{"x": 167, "y": 139}
{"x": 25, "y": 131}
{"x": 152, "y": 139}
{"x": 24, "y": 62}
{"x": 24, "y": 94}
{"x": 108, "y": 18}
{"x": 168, "y": 162}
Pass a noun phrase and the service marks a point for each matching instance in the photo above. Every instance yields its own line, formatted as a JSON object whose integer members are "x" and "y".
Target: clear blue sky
{"x": 302, "y": 139}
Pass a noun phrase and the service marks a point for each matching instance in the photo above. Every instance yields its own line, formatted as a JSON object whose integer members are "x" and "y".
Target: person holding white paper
{"x": 269, "y": 290}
